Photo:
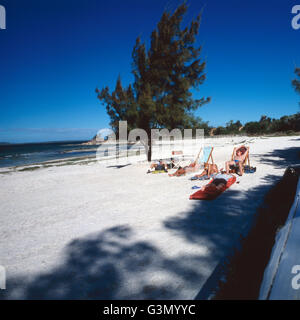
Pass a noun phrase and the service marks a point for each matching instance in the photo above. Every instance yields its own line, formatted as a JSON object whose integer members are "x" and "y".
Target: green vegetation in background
{"x": 266, "y": 125}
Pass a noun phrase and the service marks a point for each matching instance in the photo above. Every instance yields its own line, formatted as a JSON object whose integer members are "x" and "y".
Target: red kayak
{"x": 212, "y": 194}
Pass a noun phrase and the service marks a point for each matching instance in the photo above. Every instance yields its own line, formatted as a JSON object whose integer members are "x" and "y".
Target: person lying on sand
{"x": 209, "y": 170}
{"x": 238, "y": 159}
{"x": 161, "y": 165}
{"x": 158, "y": 165}
{"x": 171, "y": 164}
{"x": 194, "y": 166}
{"x": 218, "y": 184}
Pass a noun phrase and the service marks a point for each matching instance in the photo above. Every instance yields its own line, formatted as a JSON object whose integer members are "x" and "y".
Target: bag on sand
{"x": 249, "y": 169}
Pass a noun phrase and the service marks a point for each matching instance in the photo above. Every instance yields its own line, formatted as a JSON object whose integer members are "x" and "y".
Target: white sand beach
{"x": 94, "y": 232}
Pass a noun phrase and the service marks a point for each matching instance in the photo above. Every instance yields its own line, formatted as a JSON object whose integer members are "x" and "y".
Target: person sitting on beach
{"x": 194, "y": 166}
{"x": 210, "y": 169}
{"x": 238, "y": 160}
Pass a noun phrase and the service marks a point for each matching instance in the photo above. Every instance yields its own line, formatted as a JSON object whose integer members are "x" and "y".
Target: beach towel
{"x": 159, "y": 171}
{"x": 248, "y": 169}
{"x": 205, "y": 177}
{"x": 212, "y": 194}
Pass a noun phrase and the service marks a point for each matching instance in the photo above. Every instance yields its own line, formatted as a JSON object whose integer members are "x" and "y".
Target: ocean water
{"x": 29, "y": 153}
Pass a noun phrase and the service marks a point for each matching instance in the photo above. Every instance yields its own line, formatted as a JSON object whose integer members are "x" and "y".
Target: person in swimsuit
{"x": 158, "y": 165}
{"x": 208, "y": 172}
{"x": 238, "y": 160}
{"x": 194, "y": 166}
{"x": 161, "y": 165}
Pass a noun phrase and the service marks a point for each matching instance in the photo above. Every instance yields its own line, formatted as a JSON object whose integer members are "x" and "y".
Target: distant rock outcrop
{"x": 95, "y": 141}
{"x": 212, "y": 132}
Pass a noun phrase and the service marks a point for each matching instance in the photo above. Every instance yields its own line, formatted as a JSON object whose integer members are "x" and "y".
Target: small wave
{"x": 37, "y": 153}
{"x": 77, "y": 150}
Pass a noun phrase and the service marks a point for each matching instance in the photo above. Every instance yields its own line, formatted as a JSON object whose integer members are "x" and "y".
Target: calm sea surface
{"x": 21, "y": 154}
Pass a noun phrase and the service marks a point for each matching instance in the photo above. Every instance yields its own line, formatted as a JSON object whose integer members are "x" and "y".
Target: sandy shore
{"x": 94, "y": 232}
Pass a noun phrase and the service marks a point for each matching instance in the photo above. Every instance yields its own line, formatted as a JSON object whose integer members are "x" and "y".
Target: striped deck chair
{"x": 206, "y": 156}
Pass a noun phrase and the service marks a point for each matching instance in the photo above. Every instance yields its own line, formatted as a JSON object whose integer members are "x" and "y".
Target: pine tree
{"x": 160, "y": 96}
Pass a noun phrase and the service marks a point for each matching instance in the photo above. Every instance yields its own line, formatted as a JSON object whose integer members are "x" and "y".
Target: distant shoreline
{"x": 43, "y": 142}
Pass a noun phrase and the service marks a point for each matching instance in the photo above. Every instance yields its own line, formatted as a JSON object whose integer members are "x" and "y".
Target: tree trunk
{"x": 149, "y": 151}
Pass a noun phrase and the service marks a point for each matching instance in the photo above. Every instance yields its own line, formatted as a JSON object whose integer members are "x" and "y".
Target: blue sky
{"x": 54, "y": 54}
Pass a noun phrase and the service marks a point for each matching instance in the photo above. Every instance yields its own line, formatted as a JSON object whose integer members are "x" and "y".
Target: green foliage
{"x": 197, "y": 123}
{"x": 252, "y": 127}
{"x": 286, "y": 123}
{"x": 160, "y": 96}
{"x": 296, "y": 82}
{"x": 220, "y": 131}
{"x": 266, "y": 125}
{"x": 231, "y": 128}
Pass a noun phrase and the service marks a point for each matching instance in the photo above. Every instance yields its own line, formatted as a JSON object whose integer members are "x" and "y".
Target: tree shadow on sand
{"x": 107, "y": 265}
{"x": 119, "y": 166}
{"x": 282, "y": 158}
